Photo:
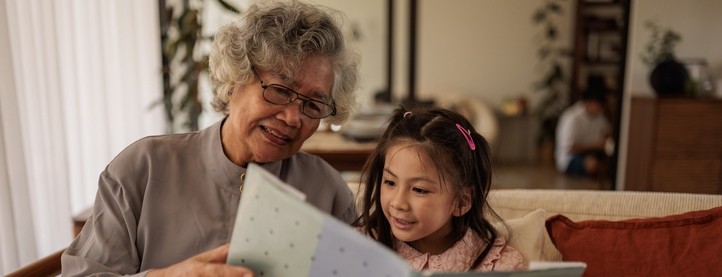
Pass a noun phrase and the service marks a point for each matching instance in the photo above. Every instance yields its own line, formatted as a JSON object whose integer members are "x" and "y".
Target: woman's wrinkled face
{"x": 261, "y": 132}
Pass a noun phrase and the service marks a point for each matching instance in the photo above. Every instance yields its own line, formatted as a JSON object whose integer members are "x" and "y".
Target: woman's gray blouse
{"x": 166, "y": 198}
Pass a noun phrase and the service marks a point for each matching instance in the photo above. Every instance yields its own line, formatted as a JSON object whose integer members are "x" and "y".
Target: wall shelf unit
{"x": 600, "y": 49}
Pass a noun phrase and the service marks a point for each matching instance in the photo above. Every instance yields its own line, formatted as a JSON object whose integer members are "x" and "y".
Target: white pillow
{"x": 527, "y": 234}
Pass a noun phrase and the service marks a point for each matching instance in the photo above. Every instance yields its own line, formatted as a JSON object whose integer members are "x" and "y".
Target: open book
{"x": 277, "y": 233}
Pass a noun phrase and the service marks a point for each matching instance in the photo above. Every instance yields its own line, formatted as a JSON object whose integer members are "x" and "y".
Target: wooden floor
{"x": 538, "y": 177}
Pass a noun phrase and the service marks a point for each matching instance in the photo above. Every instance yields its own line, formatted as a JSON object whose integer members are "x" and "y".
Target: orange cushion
{"x": 688, "y": 244}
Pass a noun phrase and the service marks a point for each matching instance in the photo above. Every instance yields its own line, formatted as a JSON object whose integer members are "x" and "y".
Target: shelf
{"x": 610, "y": 63}
{"x": 602, "y": 3}
{"x": 602, "y": 30}
{"x": 602, "y": 26}
{"x": 600, "y": 36}
{"x": 600, "y": 50}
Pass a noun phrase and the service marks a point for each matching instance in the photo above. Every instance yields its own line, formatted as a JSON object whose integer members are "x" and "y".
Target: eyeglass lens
{"x": 282, "y": 96}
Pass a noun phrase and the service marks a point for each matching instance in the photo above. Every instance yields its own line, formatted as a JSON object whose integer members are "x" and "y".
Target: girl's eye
{"x": 389, "y": 183}
{"x": 420, "y": 190}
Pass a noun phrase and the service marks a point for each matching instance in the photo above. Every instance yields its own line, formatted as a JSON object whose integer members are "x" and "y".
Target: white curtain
{"x": 77, "y": 79}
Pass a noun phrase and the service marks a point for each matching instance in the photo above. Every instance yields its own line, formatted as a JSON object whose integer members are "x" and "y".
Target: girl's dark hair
{"x": 434, "y": 131}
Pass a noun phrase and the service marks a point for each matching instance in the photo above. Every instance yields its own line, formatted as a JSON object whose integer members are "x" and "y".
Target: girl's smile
{"x": 402, "y": 224}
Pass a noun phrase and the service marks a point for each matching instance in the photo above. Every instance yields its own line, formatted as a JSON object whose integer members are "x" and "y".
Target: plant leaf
{"x": 539, "y": 16}
{"x": 551, "y": 32}
{"x": 543, "y": 52}
{"x": 228, "y": 6}
{"x": 554, "y": 7}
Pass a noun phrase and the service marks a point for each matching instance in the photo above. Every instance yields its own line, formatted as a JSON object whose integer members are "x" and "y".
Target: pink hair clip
{"x": 467, "y": 136}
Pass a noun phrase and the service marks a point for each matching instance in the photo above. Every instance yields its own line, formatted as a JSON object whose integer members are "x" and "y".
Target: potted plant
{"x": 184, "y": 60}
{"x": 669, "y": 77}
{"x": 553, "y": 82}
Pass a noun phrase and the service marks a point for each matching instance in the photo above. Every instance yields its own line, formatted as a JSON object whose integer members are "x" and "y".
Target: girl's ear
{"x": 463, "y": 204}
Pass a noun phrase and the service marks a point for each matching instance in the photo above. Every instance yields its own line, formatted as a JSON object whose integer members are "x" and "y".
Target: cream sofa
{"x": 516, "y": 204}
{"x": 525, "y": 211}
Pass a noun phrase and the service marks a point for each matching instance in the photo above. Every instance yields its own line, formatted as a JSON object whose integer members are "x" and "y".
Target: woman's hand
{"x": 209, "y": 263}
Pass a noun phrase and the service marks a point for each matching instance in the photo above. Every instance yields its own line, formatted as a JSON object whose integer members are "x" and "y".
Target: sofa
{"x": 530, "y": 214}
{"x": 616, "y": 233}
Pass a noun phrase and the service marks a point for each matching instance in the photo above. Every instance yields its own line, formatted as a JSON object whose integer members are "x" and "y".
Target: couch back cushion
{"x": 578, "y": 205}
{"x": 677, "y": 245}
{"x": 526, "y": 234}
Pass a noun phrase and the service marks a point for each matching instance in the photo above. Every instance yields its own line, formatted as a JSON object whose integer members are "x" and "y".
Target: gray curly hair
{"x": 278, "y": 37}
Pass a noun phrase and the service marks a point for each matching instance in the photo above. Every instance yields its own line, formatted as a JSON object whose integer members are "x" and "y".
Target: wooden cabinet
{"x": 517, "y": 140}
{"x": 342, "y": 153}
{"x": 675, "y": 145}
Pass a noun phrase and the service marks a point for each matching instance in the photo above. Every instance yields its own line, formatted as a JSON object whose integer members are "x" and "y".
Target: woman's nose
{"x": 292, "y": 114}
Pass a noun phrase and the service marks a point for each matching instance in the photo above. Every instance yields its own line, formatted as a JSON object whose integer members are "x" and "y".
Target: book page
{"x": 276, "y": 233}
{"x": 345, "y": 252}
{"x": 269, "y": 236}
{"x": 536, "y": 269}
{"x": 539, "y": 265}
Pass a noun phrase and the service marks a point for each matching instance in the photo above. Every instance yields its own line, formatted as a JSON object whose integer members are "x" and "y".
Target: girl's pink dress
{"x": 459, "y": 257}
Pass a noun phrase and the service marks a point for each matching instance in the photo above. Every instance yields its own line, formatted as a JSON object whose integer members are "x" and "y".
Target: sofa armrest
{"x": 46, "y": 266}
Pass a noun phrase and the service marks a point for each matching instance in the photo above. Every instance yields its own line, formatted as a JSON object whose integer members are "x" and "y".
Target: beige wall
{"x": 483, "y": 48}
{"x": 368, "y": 19}
{"x": 470, "y": 47}
{"x": 699, "y": 22}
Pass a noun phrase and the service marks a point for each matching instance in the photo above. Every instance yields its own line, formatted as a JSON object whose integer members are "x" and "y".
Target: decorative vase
{"x": 669, "y": 78}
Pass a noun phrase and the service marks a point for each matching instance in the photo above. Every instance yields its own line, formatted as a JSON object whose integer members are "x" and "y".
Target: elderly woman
{"x": 163, "y": 200}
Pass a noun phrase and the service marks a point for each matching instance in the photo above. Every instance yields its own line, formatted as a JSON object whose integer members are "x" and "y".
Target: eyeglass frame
{"x": 298, "y": 96}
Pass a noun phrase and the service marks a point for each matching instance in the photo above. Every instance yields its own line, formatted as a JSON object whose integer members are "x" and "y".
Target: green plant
{"x": 552, "y": 55}
{"x": 184, "y": 60}
{"x": 661, "y": 44}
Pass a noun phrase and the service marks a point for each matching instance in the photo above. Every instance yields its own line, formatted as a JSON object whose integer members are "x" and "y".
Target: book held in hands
{"x": 277, "y": 233}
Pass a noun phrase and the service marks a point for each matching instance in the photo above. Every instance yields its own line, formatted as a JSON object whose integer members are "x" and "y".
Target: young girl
{"x": 425, "y": 195}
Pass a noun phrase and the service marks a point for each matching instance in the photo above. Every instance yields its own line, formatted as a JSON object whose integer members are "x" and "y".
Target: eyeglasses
{"x": 281, "y": 95}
